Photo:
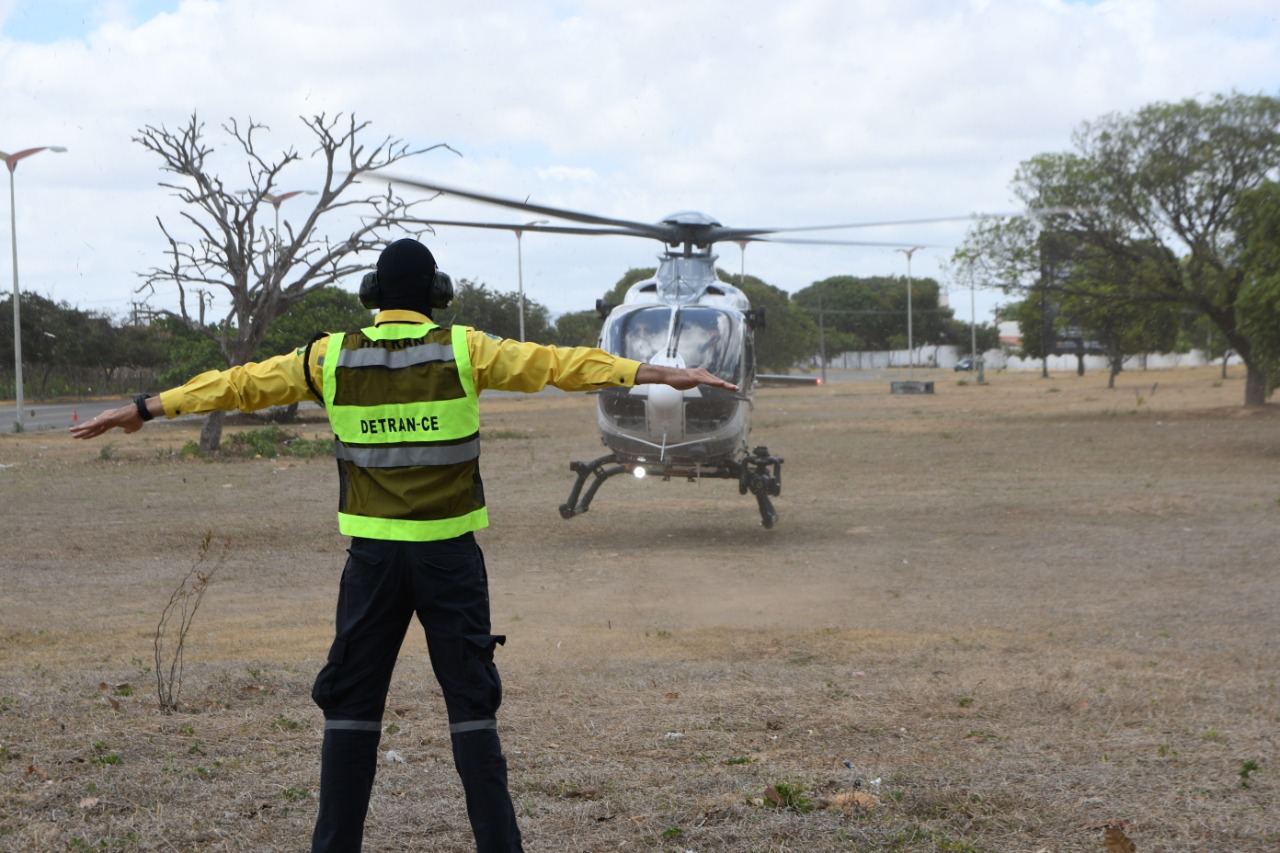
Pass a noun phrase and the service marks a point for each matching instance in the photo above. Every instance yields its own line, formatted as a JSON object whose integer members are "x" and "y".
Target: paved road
{"x": 42, "y": 416}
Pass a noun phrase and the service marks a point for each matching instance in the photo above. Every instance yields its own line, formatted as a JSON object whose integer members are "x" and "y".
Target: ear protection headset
{"x": 439, "y": 291}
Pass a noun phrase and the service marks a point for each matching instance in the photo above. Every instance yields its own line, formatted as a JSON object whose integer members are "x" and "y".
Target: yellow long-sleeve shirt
{"x": 500, "y": 365}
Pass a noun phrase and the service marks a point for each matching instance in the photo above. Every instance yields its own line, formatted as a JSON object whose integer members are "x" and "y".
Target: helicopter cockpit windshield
{"x": 703, "y": 337}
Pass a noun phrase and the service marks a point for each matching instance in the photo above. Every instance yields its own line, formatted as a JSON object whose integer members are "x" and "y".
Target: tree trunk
{"x": 211, "y": 432}
{"x": 1255, "y": 386}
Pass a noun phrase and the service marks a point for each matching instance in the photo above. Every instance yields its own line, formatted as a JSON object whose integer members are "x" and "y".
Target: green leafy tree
{"x": 497, "y": 312}
{"x": 138, "y": 349}
{"x": 43, "y": 326}
{"x": 789, "y": 336}
{"x": 1035, "y": 318}
{"x": 67, "y": 350}
{"x": 578, "y": 329}
{"x": 188, "y": 351}
{"x": 60, "y": 343}
{"x": 327, "y": 309}
{"x": 1258, "y": 306}
{"x": 1086, "y": 301}
{"x": 871, "y": 313}
{"x": 1095, "y": 301}
{"x": 1167, "y": 177}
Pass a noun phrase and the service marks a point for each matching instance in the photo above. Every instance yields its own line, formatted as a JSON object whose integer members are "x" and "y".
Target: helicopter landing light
{"x": 639, "y": 472}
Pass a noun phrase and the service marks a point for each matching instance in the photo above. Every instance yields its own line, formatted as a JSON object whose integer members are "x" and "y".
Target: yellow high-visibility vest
{"x": 406, "y": 420}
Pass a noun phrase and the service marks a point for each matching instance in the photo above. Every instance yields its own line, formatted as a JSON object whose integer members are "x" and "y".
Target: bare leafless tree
{"x": 239, "y": 245}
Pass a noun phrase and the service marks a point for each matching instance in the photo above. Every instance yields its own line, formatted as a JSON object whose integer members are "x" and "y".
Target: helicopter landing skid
{"x": 585, "y": 469}
{"x": 757, "y": 473}
{"x": 761, "y": 474}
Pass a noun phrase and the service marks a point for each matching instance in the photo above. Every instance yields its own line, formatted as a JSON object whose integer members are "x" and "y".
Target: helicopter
{"x": 684, "y": 316}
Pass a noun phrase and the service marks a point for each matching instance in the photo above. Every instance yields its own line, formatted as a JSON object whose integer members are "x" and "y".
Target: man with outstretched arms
{"x": 401, "y": 396}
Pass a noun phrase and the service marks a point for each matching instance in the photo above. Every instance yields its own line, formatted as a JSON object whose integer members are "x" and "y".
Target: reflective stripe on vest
{"x": 401, "y": 456}
{"x": 403, "y": 405}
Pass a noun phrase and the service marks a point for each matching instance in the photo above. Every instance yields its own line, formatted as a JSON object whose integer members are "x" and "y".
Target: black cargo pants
{"x": 383, "y": 585}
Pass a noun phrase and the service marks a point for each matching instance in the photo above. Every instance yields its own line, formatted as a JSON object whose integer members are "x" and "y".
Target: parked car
{"x": 965, "y": 363}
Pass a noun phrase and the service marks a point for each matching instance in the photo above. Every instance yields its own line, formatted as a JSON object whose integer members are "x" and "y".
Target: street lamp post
{"x": 742, "y": 252}
{"x": 973, "y": 310}
{"x": 911, "y": 355}
{"x": 973, "y": 323}
{"x": 11, "y": 161}
{"x": 974, "y": 358}
{"x": 520, "y": 268}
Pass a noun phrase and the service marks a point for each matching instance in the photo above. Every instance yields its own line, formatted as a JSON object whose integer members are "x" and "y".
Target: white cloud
{"x": 801, "y": 113}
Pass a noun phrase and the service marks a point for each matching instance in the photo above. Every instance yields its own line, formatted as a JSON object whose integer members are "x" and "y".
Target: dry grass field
{"x": 995, "y": 618}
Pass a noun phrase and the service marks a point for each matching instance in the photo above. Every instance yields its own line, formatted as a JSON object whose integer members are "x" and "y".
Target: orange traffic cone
{"x": 74, "y": 417}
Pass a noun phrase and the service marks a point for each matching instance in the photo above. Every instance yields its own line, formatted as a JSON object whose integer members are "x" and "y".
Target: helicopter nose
{"x": 666, "y": 411}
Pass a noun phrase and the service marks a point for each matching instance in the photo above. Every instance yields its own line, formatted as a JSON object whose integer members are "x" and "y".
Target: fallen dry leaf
{"x": 1118, "y": 842}
{"x": 849, "y": 800}
{"x": 580, "y": 793}
{"x": 88, "y": 802}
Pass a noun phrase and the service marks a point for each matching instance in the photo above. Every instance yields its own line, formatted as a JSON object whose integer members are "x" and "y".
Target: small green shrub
{"x": 784, "y": 795}
{"x": 284, "y": 724}
{"x": 271, "y": 441}
{"x": 102, "y": 754}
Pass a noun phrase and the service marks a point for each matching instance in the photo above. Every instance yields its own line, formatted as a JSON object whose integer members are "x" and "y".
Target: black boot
{"x": 348, "y": 762}
{"x": 478, "y": 757}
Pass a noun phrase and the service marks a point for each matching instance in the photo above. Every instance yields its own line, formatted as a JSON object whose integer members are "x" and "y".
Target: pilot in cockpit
{"x": 645, "y": 335}
{"x": 700, "y": 339}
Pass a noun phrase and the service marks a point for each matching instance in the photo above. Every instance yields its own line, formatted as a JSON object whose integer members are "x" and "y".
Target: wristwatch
{"x": 141, "y": 402}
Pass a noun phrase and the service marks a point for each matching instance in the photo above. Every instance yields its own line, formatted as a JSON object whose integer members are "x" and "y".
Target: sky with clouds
{"x": 760, "y": 113}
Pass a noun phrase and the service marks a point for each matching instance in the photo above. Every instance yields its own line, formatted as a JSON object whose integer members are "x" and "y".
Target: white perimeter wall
{"x": 945, "y": 357}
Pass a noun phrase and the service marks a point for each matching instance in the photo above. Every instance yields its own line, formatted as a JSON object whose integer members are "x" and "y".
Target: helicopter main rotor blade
{"x": 748, "y": 233}
{"x": 815, "y": 242}
{"x": 543, "y": 229}
{"x": 639, "y": 229}
{"x": 700, "y": 232}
